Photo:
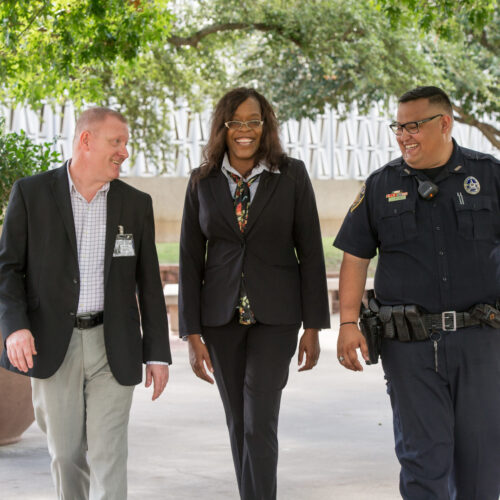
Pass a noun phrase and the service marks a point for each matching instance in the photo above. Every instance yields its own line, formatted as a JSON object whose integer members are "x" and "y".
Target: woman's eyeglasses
{"x": 236, "y": 125}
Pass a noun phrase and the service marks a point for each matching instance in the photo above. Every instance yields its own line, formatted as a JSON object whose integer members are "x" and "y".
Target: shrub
{"x": 21, "y": 157}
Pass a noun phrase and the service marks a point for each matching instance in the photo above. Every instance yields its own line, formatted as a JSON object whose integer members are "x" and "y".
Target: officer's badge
{"x": 397, "y": 195}
{"x": 471, "y": 185}
{"x": 359, "y": 198}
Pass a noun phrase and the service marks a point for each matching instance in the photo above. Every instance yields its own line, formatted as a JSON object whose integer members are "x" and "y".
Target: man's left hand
{"x": 309, "y": 345}
{"x": 158, "y": 374}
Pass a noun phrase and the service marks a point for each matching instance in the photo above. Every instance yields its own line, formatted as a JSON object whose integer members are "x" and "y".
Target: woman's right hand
{"x": 199, "y": 358}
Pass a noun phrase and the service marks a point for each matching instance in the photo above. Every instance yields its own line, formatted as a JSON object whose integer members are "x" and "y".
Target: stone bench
{"x": 333, "y": 292}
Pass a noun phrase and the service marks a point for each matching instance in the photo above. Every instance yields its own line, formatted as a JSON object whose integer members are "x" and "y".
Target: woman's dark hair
{"x": 270, "y": 149}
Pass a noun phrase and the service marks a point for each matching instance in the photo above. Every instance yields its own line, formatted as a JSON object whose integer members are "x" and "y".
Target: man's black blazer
{"x": 39, "y": 277}
{"x": 280, "y": 253}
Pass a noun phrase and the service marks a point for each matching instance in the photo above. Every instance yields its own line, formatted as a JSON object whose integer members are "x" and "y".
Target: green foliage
{"x": 168, "y": 253}
{"x": 449, "y": 19}
{"x": 67, "y": 49}
{"x": 334, "y": 54}
{"x": 21, "y": 157}
{"x": 307, "y": 54}
{"x": 142, "y": 56}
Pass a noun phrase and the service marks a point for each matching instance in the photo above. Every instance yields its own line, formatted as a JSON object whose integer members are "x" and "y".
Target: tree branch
{"x": 485, "y": 42}
{"x": 489, "y": 131}
{"x": 33, "y": 18}
{"x": 194, "y": 39}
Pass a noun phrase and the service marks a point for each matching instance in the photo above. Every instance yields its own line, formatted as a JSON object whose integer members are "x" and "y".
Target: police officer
{"x": 433, "y": 214}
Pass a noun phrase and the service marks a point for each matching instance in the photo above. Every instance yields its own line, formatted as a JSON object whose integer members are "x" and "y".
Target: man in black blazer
{"x": 77, "y": 264}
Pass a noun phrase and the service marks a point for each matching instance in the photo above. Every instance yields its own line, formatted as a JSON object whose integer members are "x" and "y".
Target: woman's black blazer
{"x": 280, "y": 255}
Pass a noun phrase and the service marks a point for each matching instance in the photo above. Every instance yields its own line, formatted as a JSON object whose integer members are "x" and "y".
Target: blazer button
{"x": 75, "y": 281}
{"x": 71, "y": 313}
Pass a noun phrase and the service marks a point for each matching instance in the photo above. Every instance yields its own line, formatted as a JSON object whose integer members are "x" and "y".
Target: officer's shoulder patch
{"x": 359, "y": 198}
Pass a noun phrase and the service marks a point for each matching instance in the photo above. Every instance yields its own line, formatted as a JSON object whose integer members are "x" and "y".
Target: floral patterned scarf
{"x": 241, "y": 203}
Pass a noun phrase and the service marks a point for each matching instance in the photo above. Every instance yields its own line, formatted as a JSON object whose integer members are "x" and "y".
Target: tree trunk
{"x": 489, "y": 131}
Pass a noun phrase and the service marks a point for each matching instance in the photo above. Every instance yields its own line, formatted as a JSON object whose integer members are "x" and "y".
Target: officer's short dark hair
{"x": 434, "y": 94}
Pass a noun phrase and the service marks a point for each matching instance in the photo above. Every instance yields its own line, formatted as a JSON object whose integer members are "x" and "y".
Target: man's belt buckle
{"x": 85, "y": 321}
{"x": 449, "y": 321}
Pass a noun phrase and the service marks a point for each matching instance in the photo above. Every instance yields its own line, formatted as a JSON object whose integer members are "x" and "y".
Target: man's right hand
{"x": 350, "y": 339}
{"x": 21, "y": 349}
{"x": 199, "y": 358}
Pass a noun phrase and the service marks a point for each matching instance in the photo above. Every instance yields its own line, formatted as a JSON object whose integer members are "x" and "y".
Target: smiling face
{"x": 431, "y": 146}
{"x": 106, "y": 149}
{"x": 243, "y": 144}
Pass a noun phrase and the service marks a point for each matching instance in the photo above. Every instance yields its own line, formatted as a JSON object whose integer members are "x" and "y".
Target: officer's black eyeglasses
{"x": 236, "y": 125}
{"x": 410, "y": 127}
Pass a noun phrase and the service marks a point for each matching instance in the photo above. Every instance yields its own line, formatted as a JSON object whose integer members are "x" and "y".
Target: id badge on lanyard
{"x": 124, "y": 244}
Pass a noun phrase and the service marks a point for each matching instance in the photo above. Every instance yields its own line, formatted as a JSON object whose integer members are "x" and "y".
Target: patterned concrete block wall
{"x": 331, "y": 147}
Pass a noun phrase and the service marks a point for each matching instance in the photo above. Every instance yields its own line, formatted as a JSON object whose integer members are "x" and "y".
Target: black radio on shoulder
{"x": 427, "y": 189}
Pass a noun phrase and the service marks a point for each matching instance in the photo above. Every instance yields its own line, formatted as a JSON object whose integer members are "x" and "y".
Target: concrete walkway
{"x": 335, "y": 433}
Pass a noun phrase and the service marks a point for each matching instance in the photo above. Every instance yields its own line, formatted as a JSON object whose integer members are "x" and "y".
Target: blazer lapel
{"x": 265, "y": 189}
{"x": 60, "y": 188}
{"x": 114, "y": 206}
{"x": 220, "y": 191}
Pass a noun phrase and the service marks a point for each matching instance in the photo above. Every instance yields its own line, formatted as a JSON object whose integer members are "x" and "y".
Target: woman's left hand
{"x": 309, "y": 345}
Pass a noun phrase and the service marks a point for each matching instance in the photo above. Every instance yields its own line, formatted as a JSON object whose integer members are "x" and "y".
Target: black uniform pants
{"x": 447, "y": 423}
{"x": 251, "y": 369}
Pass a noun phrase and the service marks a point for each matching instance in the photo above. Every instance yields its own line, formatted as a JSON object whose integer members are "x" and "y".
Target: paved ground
{"x": 335, "y": 434}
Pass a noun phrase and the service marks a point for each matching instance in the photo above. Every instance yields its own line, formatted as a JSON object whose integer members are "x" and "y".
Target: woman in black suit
{"x": 251, "y": 271}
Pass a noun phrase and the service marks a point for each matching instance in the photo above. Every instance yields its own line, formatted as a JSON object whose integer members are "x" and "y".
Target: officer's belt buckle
{"x": 448, "y": 317}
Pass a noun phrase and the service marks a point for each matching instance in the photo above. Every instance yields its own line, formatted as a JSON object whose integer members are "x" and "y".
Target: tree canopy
{"x": 143, "y": 55}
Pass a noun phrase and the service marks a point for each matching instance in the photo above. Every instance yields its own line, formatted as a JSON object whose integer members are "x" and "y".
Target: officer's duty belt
{"x": 449, "y": 320}
{"x": 91, "y": 320}
{"x": 406, "y": 322}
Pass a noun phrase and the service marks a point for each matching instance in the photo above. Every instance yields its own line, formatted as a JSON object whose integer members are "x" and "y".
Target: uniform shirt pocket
{"x": 475, "y": 218}
{"x": 397, "y": 223}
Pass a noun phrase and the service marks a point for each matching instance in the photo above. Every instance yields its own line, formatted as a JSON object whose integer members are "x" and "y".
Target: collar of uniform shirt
{"x": 72, "y": 187}
{"x": 258, "y": 169}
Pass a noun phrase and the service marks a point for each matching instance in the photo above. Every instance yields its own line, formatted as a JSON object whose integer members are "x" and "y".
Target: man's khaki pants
{"x": 84, "y": 411}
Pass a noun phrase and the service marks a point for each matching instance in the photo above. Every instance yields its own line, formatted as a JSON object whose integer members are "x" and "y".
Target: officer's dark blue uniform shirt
{"x": 440, "y": 254}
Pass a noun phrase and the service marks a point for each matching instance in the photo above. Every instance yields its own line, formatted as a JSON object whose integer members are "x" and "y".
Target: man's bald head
{"x": 92, "y": 117}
